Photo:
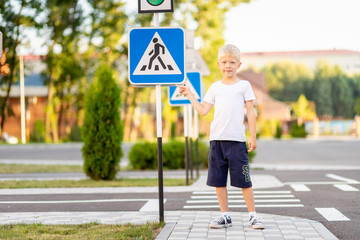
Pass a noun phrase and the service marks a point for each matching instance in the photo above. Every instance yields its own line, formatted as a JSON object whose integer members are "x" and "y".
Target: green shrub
{"x": 297, "y": 131}
{"x": 278, "y": 132}
{"x": 143, "y": 156}
{"x": 252, "y": 154}
{"x": 102, "y": 131}
{"x": 203, "y": 155}
{"x": 174, "y": 155}
{"x": 38, "y": 134}
{"x": 75, "y": 134}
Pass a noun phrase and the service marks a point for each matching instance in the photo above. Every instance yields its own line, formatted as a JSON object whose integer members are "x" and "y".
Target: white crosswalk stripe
{"x": 342, "y": 184}
{"x": 263, "y": 199}
{"x": 340, "y": 178}
{"x": 346, "y": 188}
{"x": 332, "y": 214}
{"x": 300, "y": 187}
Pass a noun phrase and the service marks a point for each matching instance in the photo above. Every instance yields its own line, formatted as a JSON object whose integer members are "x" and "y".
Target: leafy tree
{"x": 357, "y": 94}
{"x": 287, "y": 80}
{"x": 323, "y": 90}
{"x": 302, "y": 109}
{"x": 343, "y": 96}
{"x": 79, "y": 41}
{"x": 63, "y": 19}
{"x": 102, "y": 131}
{"x": 332, "y": 91}
{"x": 357, "y": 107}
{"x": 16, "y": 16}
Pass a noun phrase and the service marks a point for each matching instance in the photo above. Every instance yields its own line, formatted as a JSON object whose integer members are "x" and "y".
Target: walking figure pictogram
{"x": 156, "y": 53}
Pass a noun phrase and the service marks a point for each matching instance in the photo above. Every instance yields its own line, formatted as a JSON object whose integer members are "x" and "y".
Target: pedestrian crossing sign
{"x": 194, "y": 83}
{"x": 156, "y": 56}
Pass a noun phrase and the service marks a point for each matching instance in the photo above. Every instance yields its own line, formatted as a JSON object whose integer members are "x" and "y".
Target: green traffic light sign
{"x": 155, "y": 6}
{"x": 155, "y": 2}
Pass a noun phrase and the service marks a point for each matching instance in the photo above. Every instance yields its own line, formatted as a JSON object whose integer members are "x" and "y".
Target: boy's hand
{"x": 184, "y": 89}
{"x": 252, "y": 144}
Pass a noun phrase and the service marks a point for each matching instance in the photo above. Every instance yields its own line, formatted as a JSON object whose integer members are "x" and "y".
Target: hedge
{"x": 143, "y": 155}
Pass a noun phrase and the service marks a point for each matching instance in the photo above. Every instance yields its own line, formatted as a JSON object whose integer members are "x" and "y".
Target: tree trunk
{"x": 129, "y": 112}
{"x": 50, "y": 114}
{"x": 134, "y": 133}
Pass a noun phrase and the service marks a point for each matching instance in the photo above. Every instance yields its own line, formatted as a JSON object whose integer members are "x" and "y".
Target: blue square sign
{"x": 194, "y": 83}
{"x": 156, "y": 56}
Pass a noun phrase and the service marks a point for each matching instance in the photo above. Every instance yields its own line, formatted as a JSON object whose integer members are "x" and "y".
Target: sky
{"x": 293, "y": 25}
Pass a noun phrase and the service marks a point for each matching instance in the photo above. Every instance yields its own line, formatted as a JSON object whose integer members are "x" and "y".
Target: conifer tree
{"x": 102, "y": 131}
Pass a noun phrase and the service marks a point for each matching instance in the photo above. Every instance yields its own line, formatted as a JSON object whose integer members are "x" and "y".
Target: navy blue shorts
{"x": 225, "y": 156}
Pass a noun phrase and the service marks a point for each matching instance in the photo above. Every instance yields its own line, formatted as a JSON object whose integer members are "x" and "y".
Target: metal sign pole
{"x": 159, "y": 140}
{"x": 191, "y": 141}
{"x": 196, "y": 133}
{"x": 186, "y": 144}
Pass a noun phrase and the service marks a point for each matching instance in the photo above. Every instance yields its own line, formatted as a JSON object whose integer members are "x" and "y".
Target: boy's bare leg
{"x": 248, "y": 194}
{"x": 222, "y": 196}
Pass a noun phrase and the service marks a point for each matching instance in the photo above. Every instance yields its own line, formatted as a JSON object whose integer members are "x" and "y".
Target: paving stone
{"x": 288, "y": 232}
{"x": 181, "y": 229}
{"x": 294, "y": 237}
{"x": 314, "y": 238}
{"x": 234, "y": 238}
{"x": 221, "y": 236}
{"x": 311, "y": 235}
{"x": 201, "y": 230}
{"x": 254, "y": 238}
{"x": 287, "y": 227}
{"x": 197, "y": 234}
{"x": 179, "y": 234}
{"x": 275, "y": 237}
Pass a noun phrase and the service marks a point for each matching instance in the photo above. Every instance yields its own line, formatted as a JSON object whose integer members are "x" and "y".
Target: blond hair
{"x": 229, "y": 49}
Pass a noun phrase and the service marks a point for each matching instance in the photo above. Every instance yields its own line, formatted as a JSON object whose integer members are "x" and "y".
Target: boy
{"x": 227, "y": 134}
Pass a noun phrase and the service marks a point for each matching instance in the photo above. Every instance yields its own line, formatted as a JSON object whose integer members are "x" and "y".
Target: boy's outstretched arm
{"x": 202, "y": 109}
{"x": 252, "y": 125}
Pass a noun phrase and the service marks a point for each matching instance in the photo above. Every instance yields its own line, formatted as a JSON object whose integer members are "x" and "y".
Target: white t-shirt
{"x": 229, "y": 103}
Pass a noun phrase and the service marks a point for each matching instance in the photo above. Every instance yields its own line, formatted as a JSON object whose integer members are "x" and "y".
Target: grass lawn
{"x": 122, "y": 182}
{"x": 89, "y": 231}
{"x": 22, "y": 168}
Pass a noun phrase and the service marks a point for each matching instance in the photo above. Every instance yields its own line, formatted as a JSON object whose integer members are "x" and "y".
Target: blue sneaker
{"x": 221, "y": 222}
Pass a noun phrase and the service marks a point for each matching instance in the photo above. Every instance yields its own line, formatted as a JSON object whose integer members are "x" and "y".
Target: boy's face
{"x": 228, "y": 65}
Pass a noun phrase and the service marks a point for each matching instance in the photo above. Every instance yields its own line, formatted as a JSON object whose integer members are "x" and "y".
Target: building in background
{"x": 348, "y": 60}
{"x": 35, "y": 98}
